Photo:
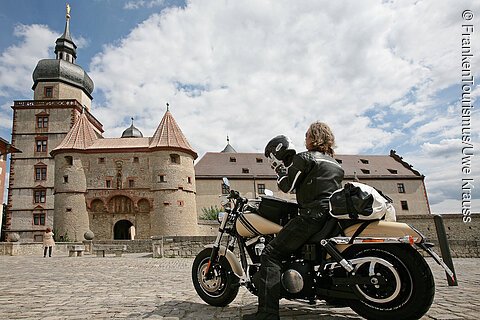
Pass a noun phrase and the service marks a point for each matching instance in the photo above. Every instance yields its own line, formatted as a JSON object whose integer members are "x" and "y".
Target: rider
{"x": 314, "y": 175}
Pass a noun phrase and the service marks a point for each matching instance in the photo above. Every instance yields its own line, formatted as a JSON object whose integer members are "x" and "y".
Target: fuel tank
{"x": 250, "y": 224}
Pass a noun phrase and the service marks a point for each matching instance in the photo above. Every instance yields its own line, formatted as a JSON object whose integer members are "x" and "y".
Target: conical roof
{"x": 80, "y": 137}
{"x": 228, "y": 148}
{"x": 169, "y": 136}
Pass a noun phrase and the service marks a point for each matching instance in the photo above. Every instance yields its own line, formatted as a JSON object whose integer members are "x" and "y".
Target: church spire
{"x": 65, "y": 49}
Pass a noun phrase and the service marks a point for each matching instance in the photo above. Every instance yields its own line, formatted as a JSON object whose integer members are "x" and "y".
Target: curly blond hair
{"x": 322, "y": 138}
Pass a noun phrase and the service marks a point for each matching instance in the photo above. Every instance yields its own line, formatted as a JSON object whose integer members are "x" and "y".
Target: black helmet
{"x": 280, "y": 150}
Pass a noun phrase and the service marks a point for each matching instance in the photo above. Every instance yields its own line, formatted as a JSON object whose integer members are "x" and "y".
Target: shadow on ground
{"x": 194, "y": 310}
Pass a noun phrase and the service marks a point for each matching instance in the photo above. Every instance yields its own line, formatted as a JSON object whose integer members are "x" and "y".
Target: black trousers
{"x": 288, "y": 240}
{"x": 49, "y": 251}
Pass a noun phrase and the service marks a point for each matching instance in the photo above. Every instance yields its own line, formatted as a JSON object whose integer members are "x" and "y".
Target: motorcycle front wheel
{"x": 222, "y": 288}
{"x": 407, "y": 289}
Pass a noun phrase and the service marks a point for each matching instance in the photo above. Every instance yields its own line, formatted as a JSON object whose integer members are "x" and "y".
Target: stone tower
{"x": 62, "y": 90}
{"x": 172, "y": 165}
{"x": 70, "y": 215}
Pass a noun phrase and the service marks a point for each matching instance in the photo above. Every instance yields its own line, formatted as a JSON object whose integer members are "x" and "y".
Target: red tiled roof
{"x": 120, "y": 143}
{"x": 81, "y": 135}
{"x": 168, "y": 135}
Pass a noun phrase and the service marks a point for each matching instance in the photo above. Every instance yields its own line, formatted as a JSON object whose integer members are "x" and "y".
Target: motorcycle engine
{"x": 297, "y": 279}
{"x": 292, "y": 281}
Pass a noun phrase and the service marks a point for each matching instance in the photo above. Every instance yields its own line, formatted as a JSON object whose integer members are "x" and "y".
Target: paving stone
{"x": 140, "y": 287}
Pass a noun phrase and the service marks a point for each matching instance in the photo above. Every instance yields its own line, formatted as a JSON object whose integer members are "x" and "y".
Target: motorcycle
{"x": 374, "y": 267}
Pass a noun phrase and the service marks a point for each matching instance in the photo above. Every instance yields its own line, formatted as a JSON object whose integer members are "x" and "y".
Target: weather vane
{"x": 168, "y": 107}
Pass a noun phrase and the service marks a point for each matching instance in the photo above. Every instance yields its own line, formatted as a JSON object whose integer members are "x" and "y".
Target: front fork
{"x": 209, "y": 272}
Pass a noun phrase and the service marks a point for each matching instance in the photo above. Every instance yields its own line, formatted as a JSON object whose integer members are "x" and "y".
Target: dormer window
{"x": 364, "y": 161}
{"x": 365, "y": 171}
{"x": 339, "y": 161}
{"x": 259, "y": 160}
{"x": 393, "y": 171}
{"x": 245, "y": 170}
{"x": 233, "y": 159}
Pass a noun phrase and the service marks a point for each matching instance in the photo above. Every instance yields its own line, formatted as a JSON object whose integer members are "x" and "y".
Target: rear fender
{"x": 386, "y": 229}
{"x": 231, "y": 258}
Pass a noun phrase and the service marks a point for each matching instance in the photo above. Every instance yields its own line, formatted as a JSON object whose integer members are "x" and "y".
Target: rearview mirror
{"x": 268, "y": 192}
{"x": 226, "y": 182}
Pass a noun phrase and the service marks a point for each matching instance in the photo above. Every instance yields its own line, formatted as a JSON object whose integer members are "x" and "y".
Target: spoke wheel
{"x": 219, "y": 290}
{"x": 401, "y": 286}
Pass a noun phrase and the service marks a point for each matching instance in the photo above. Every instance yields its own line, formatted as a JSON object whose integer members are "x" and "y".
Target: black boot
{"x": 260, "y": 316}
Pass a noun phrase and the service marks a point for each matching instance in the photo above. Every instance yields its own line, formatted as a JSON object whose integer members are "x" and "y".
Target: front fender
{"x": 231, "y": 258}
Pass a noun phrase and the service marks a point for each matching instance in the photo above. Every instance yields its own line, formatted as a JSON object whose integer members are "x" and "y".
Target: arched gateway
{"x": 121, "y": 230}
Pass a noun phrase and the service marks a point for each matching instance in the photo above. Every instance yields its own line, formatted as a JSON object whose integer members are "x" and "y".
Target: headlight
{"x": 220, "y": 216}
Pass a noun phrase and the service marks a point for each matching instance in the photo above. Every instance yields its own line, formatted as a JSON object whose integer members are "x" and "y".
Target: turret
{"x": 70, "y": 210}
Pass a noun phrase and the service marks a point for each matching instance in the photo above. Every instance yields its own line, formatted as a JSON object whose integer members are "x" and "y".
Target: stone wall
{"x": 179, "y": 246}
{"x": 33, "y": 248}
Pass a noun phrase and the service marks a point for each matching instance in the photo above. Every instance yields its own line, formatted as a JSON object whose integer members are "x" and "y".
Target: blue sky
{"x": 384, "y": 74}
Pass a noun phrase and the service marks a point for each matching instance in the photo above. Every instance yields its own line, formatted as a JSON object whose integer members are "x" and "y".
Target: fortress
{"x": 72, "y": 178}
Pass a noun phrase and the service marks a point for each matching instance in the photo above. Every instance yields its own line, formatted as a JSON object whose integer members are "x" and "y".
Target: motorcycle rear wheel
{"x": 410, "y": 287}
{"x": 223, "y": 288}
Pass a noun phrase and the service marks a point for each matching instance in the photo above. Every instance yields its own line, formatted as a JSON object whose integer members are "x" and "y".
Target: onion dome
{"x": 63, "y": 67}
{"x": 132, "y": 132}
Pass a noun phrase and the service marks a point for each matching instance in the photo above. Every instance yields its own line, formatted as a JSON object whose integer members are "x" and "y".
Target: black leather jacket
{"x": 314, "y": 176}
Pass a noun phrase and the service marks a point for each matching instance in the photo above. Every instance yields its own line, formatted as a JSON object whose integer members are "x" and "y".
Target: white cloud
{"x": 18, "y": 61}
{"x": 137, "y": 4}
{"x": 373, "y": 70}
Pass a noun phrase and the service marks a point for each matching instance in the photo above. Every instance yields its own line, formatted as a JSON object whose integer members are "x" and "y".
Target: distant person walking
{"x": 48, "y": 242}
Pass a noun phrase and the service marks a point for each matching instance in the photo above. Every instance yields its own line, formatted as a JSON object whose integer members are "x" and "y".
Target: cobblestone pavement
{"x": 137, "y": 286}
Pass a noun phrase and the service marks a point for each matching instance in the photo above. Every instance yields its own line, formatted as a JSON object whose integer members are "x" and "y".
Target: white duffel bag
{"x": 359, "y": 201}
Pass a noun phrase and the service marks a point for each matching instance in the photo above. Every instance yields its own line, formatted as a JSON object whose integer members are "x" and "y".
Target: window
{"x": 108, "y": 183}
{"x": 365, "y": 171}
{"x": 259, "y": 160}
{"x": 189, "y": 180}
{"x": 101, "y": 160}
{"x": 42, "y": 122}
{"x": 69, "y": 160}
{"x": 175, "y": 158}
{"x": 180, "y": 203}
{"x": 393, "y": 171}
{"x": 401, "y": 187}
{"x": 41, "y": 145}
{"x": 65, "y": 179}
{"x": 225, "y": 189}
{"x": 161, "y": 178}
{"x": 40, "y": 173}
{"x": 364, "y": 161}
{"x": 48, "y": 92}
{"x": 261, "y": 188}
{"x": 404, "y": 205}
{"x": 131, "y": 183}
{"x": 39, "y": 218}
{"x": 39, "y": 196}
{"x": 135, "y": 160}
{"x": 245, "y": 170}
{"x": 233, "y": 159}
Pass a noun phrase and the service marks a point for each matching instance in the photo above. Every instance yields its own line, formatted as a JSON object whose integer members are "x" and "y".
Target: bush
{"x": 210, "y": 213}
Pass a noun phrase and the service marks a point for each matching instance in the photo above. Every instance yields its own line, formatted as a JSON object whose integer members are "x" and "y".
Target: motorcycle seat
{"x": 330, "y": 229}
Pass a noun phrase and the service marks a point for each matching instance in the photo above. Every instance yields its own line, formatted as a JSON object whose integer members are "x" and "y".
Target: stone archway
{"x": 121, "y": 230}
